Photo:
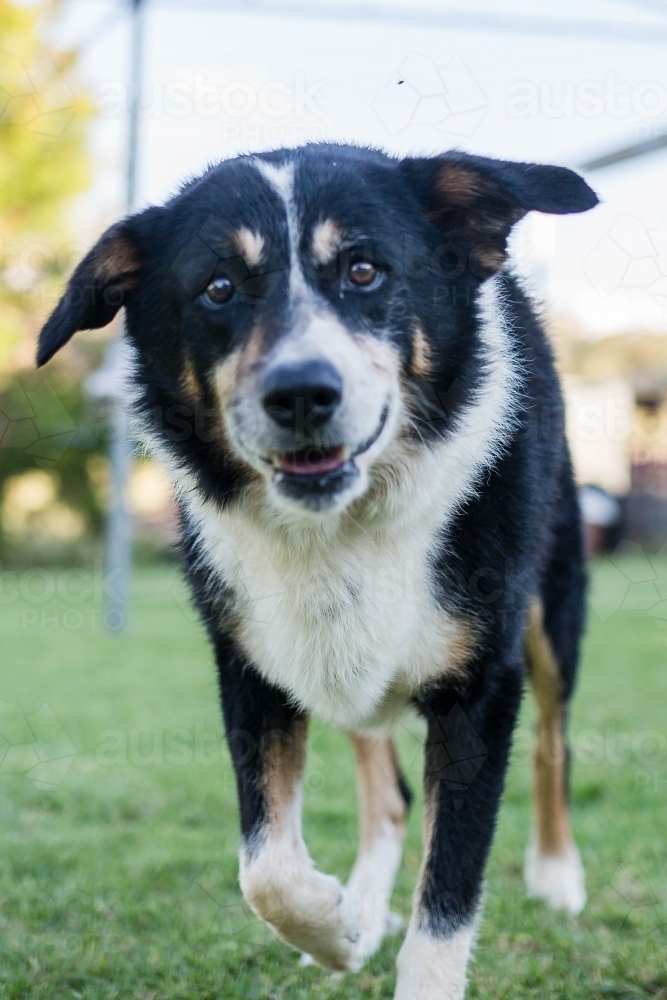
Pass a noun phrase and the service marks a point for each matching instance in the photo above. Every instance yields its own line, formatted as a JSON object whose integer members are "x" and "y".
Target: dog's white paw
{"x": 557, "y": 879}
{"x": 307, "y": 909}
{"x": 374, "y": 928}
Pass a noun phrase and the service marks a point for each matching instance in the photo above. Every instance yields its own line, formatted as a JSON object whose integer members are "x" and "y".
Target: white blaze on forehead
{"x": 281, "y": 179}
{"x": 327, "y": 237}
{"x": 250, "y": 245}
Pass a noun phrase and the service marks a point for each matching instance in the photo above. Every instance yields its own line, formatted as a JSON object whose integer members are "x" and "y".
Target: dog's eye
{"x": 219, "y": 291}
{"x": 364, "y": 274}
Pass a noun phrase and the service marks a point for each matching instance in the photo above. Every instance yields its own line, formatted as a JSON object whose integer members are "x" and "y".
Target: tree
{"x": 44, "y": 450}
{"x": 43, "y": 163}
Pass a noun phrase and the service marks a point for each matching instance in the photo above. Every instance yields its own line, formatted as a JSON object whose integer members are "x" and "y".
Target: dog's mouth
{"x": 312, "y": 461}
{"x": 316, "y": 462}
{"x": 314, "y": 476}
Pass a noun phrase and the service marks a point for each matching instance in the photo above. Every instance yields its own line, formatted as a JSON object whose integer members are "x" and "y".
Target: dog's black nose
{"x": 301, "y": 396}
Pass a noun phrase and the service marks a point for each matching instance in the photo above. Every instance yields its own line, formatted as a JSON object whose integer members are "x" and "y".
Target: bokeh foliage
{"x": 44, "y": 163}
{"x": 44, "y": 120}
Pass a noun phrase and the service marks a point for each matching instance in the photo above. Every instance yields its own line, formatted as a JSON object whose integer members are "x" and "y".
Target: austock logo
{"x": 35, "y": 746}
{"x": 36, "y": 97}
{"x": 455, "y": 753}
{"x": 633, "y": 902}
{"x": 216, "y": 912}
{"x": 447, "y": 98}
{"x": 631, "y": 258}
{"x": 629, "y": 580}
{"x": 28, "y": 417}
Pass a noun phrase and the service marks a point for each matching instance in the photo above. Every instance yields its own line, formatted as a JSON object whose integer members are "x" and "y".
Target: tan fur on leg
{"x": 553, "y": 869}
{"x": 306, "y": 908}
{"x": 382, "y": 812}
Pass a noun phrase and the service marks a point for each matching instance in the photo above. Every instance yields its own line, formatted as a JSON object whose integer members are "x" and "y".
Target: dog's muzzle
{"x": 303, "y": 400}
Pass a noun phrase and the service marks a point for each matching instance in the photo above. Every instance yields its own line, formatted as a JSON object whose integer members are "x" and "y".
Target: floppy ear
{"x": 477, "y": 200}
{"x": 95, "y": 292}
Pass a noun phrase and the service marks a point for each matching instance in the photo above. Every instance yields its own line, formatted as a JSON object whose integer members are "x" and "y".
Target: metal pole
{"x": 136, "y": 66}
{"x": 119, "y": 521}
{"x": 118, "y": 561}
{"x": 658, "y": 141}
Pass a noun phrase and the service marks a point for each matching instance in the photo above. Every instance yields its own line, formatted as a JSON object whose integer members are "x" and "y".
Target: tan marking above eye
{"x": 421, "y": 361}
{"x": 327, "y": 238}
{"x": 250, "y": 245}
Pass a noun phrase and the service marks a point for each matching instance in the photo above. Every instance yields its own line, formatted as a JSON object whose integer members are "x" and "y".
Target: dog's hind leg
{"x": 384, "y": 799}
{"x": 553, "y": 869}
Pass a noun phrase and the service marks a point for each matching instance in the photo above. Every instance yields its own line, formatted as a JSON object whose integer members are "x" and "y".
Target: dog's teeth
{"x": 345, "y": 454}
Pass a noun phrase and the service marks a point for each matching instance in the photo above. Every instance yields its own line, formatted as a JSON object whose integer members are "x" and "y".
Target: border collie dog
{"x": 361, "y": 416}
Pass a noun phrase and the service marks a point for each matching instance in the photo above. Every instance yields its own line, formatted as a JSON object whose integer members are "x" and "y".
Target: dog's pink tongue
{"x": 312, "y": 461}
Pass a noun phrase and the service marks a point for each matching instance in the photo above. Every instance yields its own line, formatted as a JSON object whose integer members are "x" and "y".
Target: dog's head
{"x": 289, "y": 310}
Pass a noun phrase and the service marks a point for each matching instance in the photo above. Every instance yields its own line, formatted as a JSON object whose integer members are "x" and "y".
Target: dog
{"x": 362, "y": 419}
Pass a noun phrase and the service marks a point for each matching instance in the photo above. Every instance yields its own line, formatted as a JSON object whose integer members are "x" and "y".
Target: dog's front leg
{"x": 466, "y": 753}
{"x": 267, "y": 739}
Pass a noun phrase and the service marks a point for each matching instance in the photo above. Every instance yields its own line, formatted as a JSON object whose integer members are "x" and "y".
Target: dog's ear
{"x": 476, "y": 200}
{"x": 96, "y": 290}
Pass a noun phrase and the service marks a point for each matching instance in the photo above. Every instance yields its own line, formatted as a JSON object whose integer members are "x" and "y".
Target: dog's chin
{"x": 329, "y": 492}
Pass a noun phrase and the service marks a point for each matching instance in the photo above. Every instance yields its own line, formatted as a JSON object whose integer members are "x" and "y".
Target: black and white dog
{"x": 362, "y": 419}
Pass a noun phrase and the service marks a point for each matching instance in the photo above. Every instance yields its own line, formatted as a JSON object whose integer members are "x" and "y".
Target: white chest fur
{"x": 348, "y": 625}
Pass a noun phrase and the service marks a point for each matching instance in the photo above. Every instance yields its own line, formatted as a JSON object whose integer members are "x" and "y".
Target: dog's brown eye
{"x": 362, "y": 273}
{"x": 219, "y": 291}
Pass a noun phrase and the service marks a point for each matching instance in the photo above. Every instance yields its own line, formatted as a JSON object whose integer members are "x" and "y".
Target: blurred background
{"x": 579, "y": 84}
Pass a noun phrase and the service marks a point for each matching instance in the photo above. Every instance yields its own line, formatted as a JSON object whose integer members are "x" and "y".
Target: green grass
{"x": 118, "y": 822}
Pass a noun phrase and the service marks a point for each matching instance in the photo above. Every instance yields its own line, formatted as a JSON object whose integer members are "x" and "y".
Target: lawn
{"x": 118, "y": 822}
